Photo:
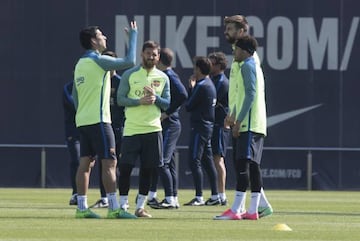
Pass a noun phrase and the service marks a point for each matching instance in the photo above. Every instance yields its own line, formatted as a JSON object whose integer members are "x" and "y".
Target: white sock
{"x": 113, "y": 204}
{"x": 170, "y": 199}
{"x": 263, "y": 200}
{"x": 82, "y": 202}
{"x": 254, "y": 203}
{"x": 152, "y": 195}
{"x": 124, "y": 201}
{"x": 222, "y": 196}
{"x": 105, "y": 199}
{"x": 239, "y": 202}
{"x": 215, "y": 197}
{"x": 200, "y": 198}
{"x": 140, "y": 202}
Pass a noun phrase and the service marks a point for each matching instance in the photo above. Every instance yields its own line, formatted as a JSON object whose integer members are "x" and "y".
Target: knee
{"x": 163, "y": 167}
{"x": 85, "y": 164}
{"x": 194, "y": 163}
{"x": 108, "y": 163}
{"x": 254, "y": 167}
{"x": 242, "y": 165}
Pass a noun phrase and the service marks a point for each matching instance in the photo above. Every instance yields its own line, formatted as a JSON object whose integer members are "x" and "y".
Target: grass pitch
{"x": 44, "y": 214}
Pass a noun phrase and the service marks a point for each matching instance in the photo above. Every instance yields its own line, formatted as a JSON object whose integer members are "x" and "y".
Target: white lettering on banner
{"x": 273, "y": 48}
{"x": 317, "y": 46}
{"x": 203, "y": 41}
{"x": 281, "y": 173}
{"x": 258, "y": 31}
{"x": 349, "y": 43}
{"x": 328, "y": 40}
{"x": 175, "y": 38}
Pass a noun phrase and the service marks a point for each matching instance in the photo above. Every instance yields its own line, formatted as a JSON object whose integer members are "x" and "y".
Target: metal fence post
{"x": 309, "y": 171}
{"x": 43, "y": 167}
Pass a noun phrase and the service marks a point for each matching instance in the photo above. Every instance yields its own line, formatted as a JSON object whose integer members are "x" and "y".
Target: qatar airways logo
{"x": 305, "y": 43}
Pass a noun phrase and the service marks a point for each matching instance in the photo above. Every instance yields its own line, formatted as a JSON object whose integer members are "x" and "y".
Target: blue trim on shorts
{"x": 106, "y": 144}
{"x": 249, "y": 136}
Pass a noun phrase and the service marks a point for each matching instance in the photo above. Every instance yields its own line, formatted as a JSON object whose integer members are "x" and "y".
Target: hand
{"x": 133, "y": 26}
{"x": 148, "y": 100}
{"x": 163, "y": 116}
{"x": 92, "y": 162}
{"x": 192, "y": 81}
{"x": 149, "y": 91}
{"x": 236, "y": 129}
{"x": 229, "y": 121}
{"x": 226, "y": 126}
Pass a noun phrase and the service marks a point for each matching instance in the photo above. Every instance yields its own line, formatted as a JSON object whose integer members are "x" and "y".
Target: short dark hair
{"x": 166, "y": 56}
{"x": 203, "y": 63}
{"x": 247, "y": 43}
{"x": 86, "y": 34}
{"x": 219, "y": 58}
{"x": 239, "y": 21}
{"x": 151, "y": 44}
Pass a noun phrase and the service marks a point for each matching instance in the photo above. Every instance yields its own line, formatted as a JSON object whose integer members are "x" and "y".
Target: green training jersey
{"x": 250, "y": 99}
{"x": 92, "y": 85}
{"x": 142, "y": 119}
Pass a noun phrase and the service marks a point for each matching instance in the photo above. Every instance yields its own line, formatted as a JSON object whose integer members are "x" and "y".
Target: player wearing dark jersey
{"x": 171, "y": 131}
{"x": 201, "y": 105}
{"x": 72, "y": 137}
{"x": 221, "y": 134}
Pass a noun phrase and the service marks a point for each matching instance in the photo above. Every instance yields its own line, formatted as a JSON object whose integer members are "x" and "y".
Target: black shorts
{"x": 220, "y": 140}
{"x": 249, "y": 145}
{"x": 148, "y": 147}
{"x": 97, "y": 140}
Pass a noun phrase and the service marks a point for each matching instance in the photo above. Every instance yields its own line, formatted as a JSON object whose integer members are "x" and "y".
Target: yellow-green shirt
{"x": 142, "y": 119}
{"x": 92, "y": 87}
{"x": 250, "y": 97}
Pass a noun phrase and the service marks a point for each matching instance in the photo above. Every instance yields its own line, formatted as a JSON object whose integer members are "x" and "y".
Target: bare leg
{"x": 83, "y": 174}
{"x": 109, "y": 175}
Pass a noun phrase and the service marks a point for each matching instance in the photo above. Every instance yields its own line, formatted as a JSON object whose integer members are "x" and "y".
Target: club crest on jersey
{"x": 155, "y": 83}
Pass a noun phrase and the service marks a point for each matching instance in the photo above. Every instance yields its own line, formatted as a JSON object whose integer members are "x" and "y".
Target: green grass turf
{"x": 44, "y": 214}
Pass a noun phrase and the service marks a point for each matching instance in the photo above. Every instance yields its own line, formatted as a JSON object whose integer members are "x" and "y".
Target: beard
{"x": 230, "y": 39}
{"x": 149, "y": 64}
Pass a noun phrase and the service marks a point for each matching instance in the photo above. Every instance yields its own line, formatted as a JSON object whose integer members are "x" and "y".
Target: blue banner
{"x": 308, "y": 51}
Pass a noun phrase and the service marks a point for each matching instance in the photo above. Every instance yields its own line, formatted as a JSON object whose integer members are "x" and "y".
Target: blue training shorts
{"x": 249, "y": 145}
{"x": 97, "y": 140}
{"x": 220, "y": 140}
